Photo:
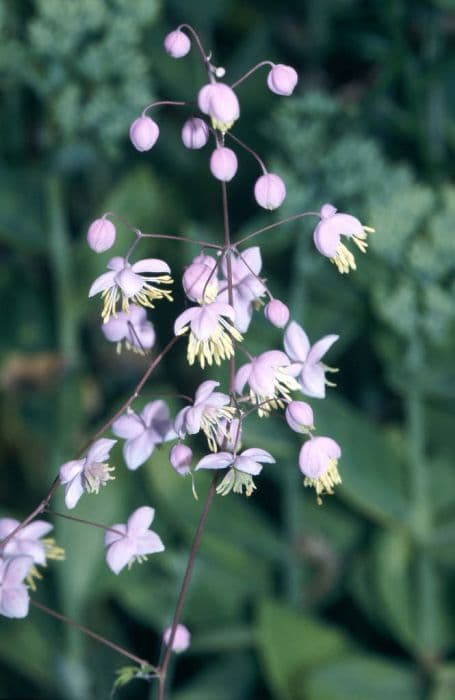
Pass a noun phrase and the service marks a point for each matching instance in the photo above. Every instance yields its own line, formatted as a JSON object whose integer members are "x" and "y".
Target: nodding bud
{"x": 182, "y": 638}
{"x": 200, "y": 282}
{"x": 195, "y": 133}
{"x": 277, "y": 313}
{"x": 101, "y": 235}
{"x": 282, "y": 79}
{"x": 299, "y": 416}
{"x": 177, "y": 44}
{"x": 220, "y": 102}
{"x": 180, "y": 458}
{"x": 144, "y": 133}
{"x": 269, "y": 191}
{"x": 223, "y": 163}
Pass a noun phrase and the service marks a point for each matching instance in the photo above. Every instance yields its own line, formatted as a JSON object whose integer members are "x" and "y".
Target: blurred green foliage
{"x": 289, "y": 601}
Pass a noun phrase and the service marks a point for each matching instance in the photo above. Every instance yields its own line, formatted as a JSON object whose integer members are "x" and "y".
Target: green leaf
{"x": 444, "y": 683}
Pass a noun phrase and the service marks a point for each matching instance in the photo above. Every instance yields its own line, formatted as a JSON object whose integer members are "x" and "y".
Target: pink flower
{"x": 328, "y": 232}
{"x": 87, "y": 474}
{"x": 299, "y": 416}
{"x": 243, "y": 467}
{"x": 101, "y": 235}
{"x": 27, "y": 541}
{"x": 195, "y": 133}
{"x": 133, "y": 541}
{"x": 177, "y": 44}
{"x": 14, "y": 598}
{"x": 318, "y": 460}
{"x": 220, "y": 102}
{"x": 270, "y": 191}
{"x": 270, "y": 378}
{"x": 229, "y": 434}
{"x": 277, "y": 313}
{"x": 223, "y": 163}
{"x": 247, "y": 287}
{"x": 144, "y": 133}
{"x": 282, "y": 79}
{"x": 142, "y": 432}
{"x": 129, "y": 283}
{"x": 132, "y": 327}
{"x": 208, "y": 409}
{"x": 211, "y": 334}
{"x": 182, "y": 638}
{"x": 312, "y": 370}
{"x": 200, "y": 281}
{"x": 180, "y": 457}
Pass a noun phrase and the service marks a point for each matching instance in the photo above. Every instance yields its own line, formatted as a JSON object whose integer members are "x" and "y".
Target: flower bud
{"x": 101, "y": 235}
{"x": 223, "y": 163}
{"x": 180, "y": 458}
{"x": 327, "y": 211}
{"x": 277, "y": 313}
{"x": 220, "y": 102}
{"x": 195, "y": 133}
{"x": 282, "y": 79}
{"x": 182, "y": 638}
{"x": 200, "y": 282}
{"x": 144, "y": 133}
{"x": 269, "y": 191}
{"x": 299, "y": 416}
{"x": 177, "y": 44}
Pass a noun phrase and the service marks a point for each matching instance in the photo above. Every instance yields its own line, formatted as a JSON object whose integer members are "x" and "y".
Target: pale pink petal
{"x": 119, "y": 554}
{"x": 180, "y": 422}
{"x": 115, "y": 329}
{"x": 155, "y": 411}
{"x": 185, "y": 318}
{"x": 220, "y": 460}
{"x": 73, "y": 492}
{"x": 296, "y": 343}
{"x": 152, "y": 265}
{"x": 130, "y": 283}
{"x": 116, "y": 263}
{"x": 100, "y": 449}
{"x": 16, "y": 570}
{"x": 242, "y": 376}
{"x": 149, "y": 543}
{"x": 252, "y": 258}
{"x": 327, "y": 238}
{"x": 138, "y": 450}
{"x": 193, "y": 419}
{"x": 128, "y": 426}
{"x": 274, "y": 358}
{"x": 248, "y": 466}
{"x": 258, "y": 455}
{"x": 104, "y": 281}
{"x": 204, "y": 390}
{"x": 243, "y": 314}
{"x": 223, "y": 309}
{"x": 71, "y": 469}
{"x": 140, "y": 520}
{"x": 14, "y": 602}
{"x": 312, "y": 381}
{"x": 110, "y": 537}
{"x": 7, "y": 525}
{"x": 36, "y": 529}
{"x": 204, "y": 324}
{"x": 319, "y": 349}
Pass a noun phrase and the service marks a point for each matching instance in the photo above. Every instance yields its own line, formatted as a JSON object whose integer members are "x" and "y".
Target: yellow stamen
{"x": 324, "y": 484}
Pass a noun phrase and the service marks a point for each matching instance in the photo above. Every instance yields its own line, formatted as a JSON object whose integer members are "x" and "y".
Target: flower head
{"x": 270, "y": 379}
{"x": 87, "y": 474}
{"x": 318, "y": 460}
{"x": 328, "y": 232}
{"x": 144, "y": 133}
{"x": 220, "y": 102}
{"x": 142, "y": 432}
{"x": 131, "y": 328}
{"x": 182, "y": 638}
{"x": 312, "y": 371}
{"x": 132, "y": 283}
{"x": 277, "y": 313}
{"x": 299, "y": 416}
{"x": 211, "y": 334}
{"x": 200, "y": 281}
{"x": 14, "y": 598}
{"x": 101, "y": 235}
{"x": 195, "y": 133}
{"x": 247, "y": 287}
{"x": 133, "y": 541}
{"x": 242, "y": 469}
{"x": 270, "y": 191}
{"x": 28, "y": 541}
{"x": 208, "y": 409}
{"x": 177, "y": 44}
{"x": 282, "y": 79}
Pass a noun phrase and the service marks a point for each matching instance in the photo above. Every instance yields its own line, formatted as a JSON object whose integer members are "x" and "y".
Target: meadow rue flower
{"x": 247, "y": 288}
{"x": 242, "y": 469}
{"x": 200, "y": 281}
{"x": 318, "y": 460}
{"x": 101, "y": 235}
{"x": 282, "y": 79}
{"x": 180, "y": 457}
{"x": 28, "y": 541}
{"x": 270, "y": 379}
{"x": 220, "y": 102}
{"x": 133, "y": 541}
{"x": 177, "y": 44}
{"x": 211, "y": 335}
{"x": 312, "y": 371}
{"x": 328, "y": 232}
{"x": 223, "y": 163}
{"x": 14, "y": 597}
{"x": 195, "y": 133}
{"x": 277, "y": 313}
{"x": 143, "y": 432}
{"x": 270, "y": 191}
{"x": 208, "y": 409}
{"x": 299, "y": 416}
{"x": 132, "y": 283}
{"x": 144, "y": 133}
{"x": 87, "y": 474}
{"x": 182, "y": 638}
{"x": 131, "y": 328}
{"x": 229, "y": 434}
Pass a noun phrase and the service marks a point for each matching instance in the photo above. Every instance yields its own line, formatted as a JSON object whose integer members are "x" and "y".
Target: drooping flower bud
{"x": 223, "y": 163}
{"x": 177, "y": 44}
{"x": 195, "y": 133}
{"x": 200, "y": 281}
{"x": 181, "y": 640}
{"x": 277, "y": 313}
{"x": 299, "y": 416}
{"x": 282, "y": 79}
{"x": 180, "y": 457}
{"x": 144, "y": 133}
{"x": 318, "y": 460}
{"x": 269, "y": 191}
{"x": 220, "y": 102}
{"x": 101, "y": 235}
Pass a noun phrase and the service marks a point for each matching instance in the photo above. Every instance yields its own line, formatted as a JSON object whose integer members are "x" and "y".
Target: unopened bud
{"x": 195, "y": 133}
{"x": 144, "y": 133}
{"x": 181, "y": 640}
{"x": 269, "y": 191}
{"x": 180, "y": 458}
{"x": 177, "y": 44}
{"x": 220, "y": 102}
{"x": 223, "y": 164}
{"x": 299, "y": 416}
{"x": 200, "y": 282}
{"x": 101, "y": 235}
{"x": 277, "y": 313}
{"x": 282, "y": 79}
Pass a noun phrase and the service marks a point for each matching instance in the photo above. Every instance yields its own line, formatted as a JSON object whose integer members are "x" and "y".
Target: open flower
{"x": 28, "y": 541}
{"x": 142, "y": 432}
{"x": 242, "y": 469}
{"x": 87, "y": 474}
{"x": 133, "y": 541}
{"x": 328, "y": 232}
{"x": 318, "y": 460}
{"x": 247, "y": 287}
{"x": 211, "y": 334}
{"x": 14, "y": 598}
{"x": 132, "y": 328}
{"x": 312, "y": 371}
{"x": 208, "y": 409}
{"x": 270, "y": 377}
{"x": 132, "y": 283}
{"x": 220, "y": 102}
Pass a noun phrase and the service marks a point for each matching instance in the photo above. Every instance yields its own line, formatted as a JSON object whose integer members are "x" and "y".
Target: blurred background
{"x": 289, "y": 601}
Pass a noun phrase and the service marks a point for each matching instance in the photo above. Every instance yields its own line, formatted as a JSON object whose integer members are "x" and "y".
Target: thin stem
{"x": 250, "y": 150}
{"x": 288, "y": 220}
{"x": 251, "y": 71}
{"x": 40, "y": 508}
{"x": 84, "y": 522}
{"x": 162, "y": 670}
{"x": 227, "y": 245}
{"x": 196, "y": 38}
{"x": 181, "y": 238}
{"x": 93, "y": 635}
{"x": 162, "y": 103}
